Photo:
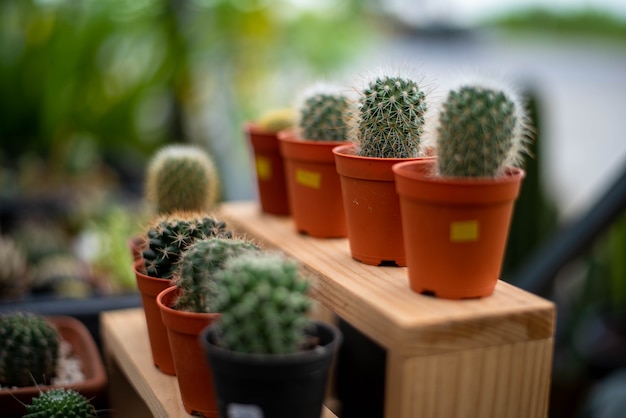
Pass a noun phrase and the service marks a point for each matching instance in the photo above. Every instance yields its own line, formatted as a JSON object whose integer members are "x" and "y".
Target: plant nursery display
{"x": 313, "y": 184}
{"x": 266, "y": 356}
{"x": 386, "y": 125}
{"x": 456, "y": 212}
{"x": 60, "y": 402}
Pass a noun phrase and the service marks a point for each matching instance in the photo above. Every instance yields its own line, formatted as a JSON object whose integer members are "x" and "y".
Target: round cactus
{"x": 170, "y": 236}
{"x": 276, "y": 120}
{"x": 182, "y": 178}
{"x": 13, "y": 279}
{"x": 388, "y": 120}
{"x": 60, "y": 403}
{"x": 321, "y": 113}
{"x": 197, "y": 268}
{"x": 29, "y": 350}
{"x": 263, "y": 304}
{"x": 480, "y": 132}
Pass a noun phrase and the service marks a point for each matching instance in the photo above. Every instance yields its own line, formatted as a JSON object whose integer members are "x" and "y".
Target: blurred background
{"x": 89, "y": 89}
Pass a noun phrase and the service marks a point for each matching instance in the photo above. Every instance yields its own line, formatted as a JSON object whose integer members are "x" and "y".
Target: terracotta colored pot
{"x": 195, "y": 380}
{"x": 93, "y": 387}
{"x": 149, "y": 288}
{"x": 270, "y": 171}
{"x": 313, "y": 186}
{"x": 455, "y": 230}
{"x": 372, "y": 207}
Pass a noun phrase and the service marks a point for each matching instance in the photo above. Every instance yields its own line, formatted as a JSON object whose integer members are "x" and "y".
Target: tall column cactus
{"x": 321, "y": 111}
{"x": 182, "y": 178}
{"x": 481, "y": 131}
{"x": 388, "y": 120}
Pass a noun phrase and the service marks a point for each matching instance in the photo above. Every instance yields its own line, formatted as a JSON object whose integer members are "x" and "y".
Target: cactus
{"x": 60, "y": 403}
{"x": 182, "y": 178}
{"x": 172, "y": 234}
{"x": 480, "y": 132}
{"x": 198, "y": 265}
{"x": 62, "y": 274}
{"x": 276, "y": 120}
{"x": 321, "y": 113}
{"x": 29, "y": 350}
{"x": 13, "y": 279}
{"x": 263, "y": 304}
{"x": 388, "y": 120}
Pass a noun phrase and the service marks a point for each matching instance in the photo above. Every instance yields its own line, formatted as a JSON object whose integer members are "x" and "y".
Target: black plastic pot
{"x": 272, "y": 386}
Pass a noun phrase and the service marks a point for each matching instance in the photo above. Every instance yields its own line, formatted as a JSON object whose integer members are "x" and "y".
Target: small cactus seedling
{"x": 481, "y": 132}
{"x": 388, "y": 120}
{"x": 276, "y": 120}
{"x": 29, "y": 350}
{"x": 170, "y": 236}
{"x": 60, "y": 403}
{"x": 197, "y": 268}
{"x": 182, "y": 178}
{"x": 13, "y": 279}
{"x": 263, "y": 304}
{"x": 321, "y": 113}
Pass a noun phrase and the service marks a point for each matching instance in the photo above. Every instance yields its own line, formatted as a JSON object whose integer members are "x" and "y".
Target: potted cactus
{"x": 267, "y": 358}
{"x": 186, "y": 309}
{"x": 167, "y": 239}
{"x": 60, "y": 402}
{"x": 313, "y": 184}
{"x": 270, "y": 171}
{"x": 386, "y": 126}
{"x": 33, "y": 357}
{"x": 456, "y": 213}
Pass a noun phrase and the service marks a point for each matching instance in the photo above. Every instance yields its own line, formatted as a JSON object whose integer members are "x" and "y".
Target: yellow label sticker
{"x": 263, "y": 168}
{"x": 309, "y": 178}
{"x": 464, "y": 231}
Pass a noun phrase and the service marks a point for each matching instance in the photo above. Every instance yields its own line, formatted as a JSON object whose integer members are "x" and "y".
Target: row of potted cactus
{"x": 395, "y": 163}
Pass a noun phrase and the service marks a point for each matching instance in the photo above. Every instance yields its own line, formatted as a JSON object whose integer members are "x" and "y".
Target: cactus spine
{"x": 30, "y": 349}
{"x": 172, "y": 234}
{"x": 198, "y": 265}
{"x": 263, "y": 304}
{"x": 60, "y": 403}
{"x": 182, "y": 178}
{"x": 321, "y": 113}
{"x": 389, "y": 118}
{"x": 480, "y": 132}
{"x": 276, "y": 120}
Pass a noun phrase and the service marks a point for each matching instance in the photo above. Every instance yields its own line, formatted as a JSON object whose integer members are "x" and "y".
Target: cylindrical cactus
{"x": 388, "y": 120}
{"x": 263, "y": 304}
{"x": 321, "y": 113}
{"x": 481, "y": 131}
{"x": 29, "y": 350}
{"x": 60, "y": 403}
{"x": 195, "y": 276}
{"x": 13, "y": 279}
{"x": 172, "y": 234}
{"x": 276, "y": 120}
{"x": 182, "y": 178}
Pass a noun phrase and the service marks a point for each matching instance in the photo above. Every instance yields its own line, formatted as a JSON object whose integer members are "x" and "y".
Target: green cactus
{"x": 172, "y": 234}
{"x": 60, "y": 403}
{"x": 276, "y": 120}
{"x": 480, "y": 132}
{"x": 182, "y": 178}
{"x": 29, "y": 350}
{"x": 389, "y": 118}
{"x": 62, "y": 274}
{"x": 321, "y": 113}
{"x": 263, "y": 304}
{"x": 13, "y": 269}
{"x": 197, "y": 268}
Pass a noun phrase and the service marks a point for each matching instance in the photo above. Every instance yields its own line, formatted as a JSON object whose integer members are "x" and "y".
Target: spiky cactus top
{"x": 276, "y": 120}
{"x": 171, "y": 235}
{"x": 29, "y": 350}
{"x": 197, "y": 268}
{"x": 60, "y": 403}
{"x": 321, "y": 113}
{"x": 13, "y": 279}
{"x": 389, "y": 117}
{"x": 263, "y": 304}
{"x": 182, "y": 178}
{"x": 480, "y": 132}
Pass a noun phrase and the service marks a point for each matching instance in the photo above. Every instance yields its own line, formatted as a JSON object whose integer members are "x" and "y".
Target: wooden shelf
{"x": 482, "y": 358}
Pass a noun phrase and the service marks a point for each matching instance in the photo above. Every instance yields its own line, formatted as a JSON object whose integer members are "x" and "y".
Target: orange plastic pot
{"x": 195, "y": 380}
{"x": 149, "y": 288}
{"x": 313, "y": 186}
{"x": 372, "y": 207}
{"x": 269, "y": 169}
{"x": 455, "y": 230}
